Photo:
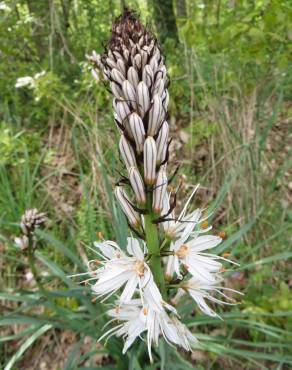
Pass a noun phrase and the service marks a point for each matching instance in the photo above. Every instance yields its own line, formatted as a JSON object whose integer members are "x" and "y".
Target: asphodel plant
{"x": 167, "y": 255}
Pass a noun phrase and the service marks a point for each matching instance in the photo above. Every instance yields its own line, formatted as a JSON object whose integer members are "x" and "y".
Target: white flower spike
{"x": 144, "y": 275}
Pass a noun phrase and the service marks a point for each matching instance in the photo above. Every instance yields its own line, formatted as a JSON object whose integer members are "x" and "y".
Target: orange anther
{"x": 226, "y": 254}
{"x": 222, "y": 234}
{"x": 222, "y": 269}
{"x": 145, "y": 311}
{"x": 139, "y": 268}
{"x": 204, "y": 224}
{"x": 99, "y": 234}
{"x": 182, "y": 251}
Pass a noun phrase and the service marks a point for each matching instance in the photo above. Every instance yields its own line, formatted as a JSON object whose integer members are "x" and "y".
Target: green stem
{"x": 152, "y": 240}
{"x": 31, "y": 263}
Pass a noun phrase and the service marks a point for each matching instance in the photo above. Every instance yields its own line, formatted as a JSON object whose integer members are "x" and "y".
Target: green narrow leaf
{"x": 26, "y": 345}
{"x": 60, "y": 247}
{"x": 55, "y": 269}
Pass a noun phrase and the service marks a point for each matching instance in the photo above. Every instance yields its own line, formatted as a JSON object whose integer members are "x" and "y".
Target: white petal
{"x": 204, "y": 242}
{"x": 129, "y": 289}
{"x": 134, "y": 249}
{"x": 152, "y": 296}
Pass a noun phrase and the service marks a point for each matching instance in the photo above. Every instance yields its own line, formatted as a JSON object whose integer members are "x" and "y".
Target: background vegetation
{"x": 230, "y": 116}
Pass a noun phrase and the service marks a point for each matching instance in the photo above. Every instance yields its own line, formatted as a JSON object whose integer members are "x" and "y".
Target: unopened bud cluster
{"x": 135, "y": 69}
{"x": 30, "y": 221}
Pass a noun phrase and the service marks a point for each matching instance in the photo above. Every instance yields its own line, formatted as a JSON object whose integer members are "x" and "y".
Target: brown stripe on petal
{"x": 124, "y": 201}
{"x": 143, "y": 98}
{"x": 110, "y": 63}
{"x": 150, "y": 156}
{"x": 144, "y": 57}
{"x": 161, "y": 142}
{"x": 117, "y": 91}
{"x": 148, "y": 75}
{"x": 137, "y": 129}
{"x": 159, "y": 190}
{"x": 165, "y": 99}
{"x": 129, "y": 93}
{"x": 137, "y": 185}
{"x": 153, "y": 63}
{"x": 155, "y": 115}
{"x": 127, "y": 152}
{"x": 117, "y": 76}
{"x": 123, "y": 111}
{"x": 121, "y": 66}
{"x": 133, "y": 76}
{"x": 158, "y": 87}
{"x": 137, "y": 62}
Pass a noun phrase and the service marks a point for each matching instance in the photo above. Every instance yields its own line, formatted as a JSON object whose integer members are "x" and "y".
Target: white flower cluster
{"x": 140, "y": 306}
{"x": 170, "y": 258}
{"x": 28, "y": 81}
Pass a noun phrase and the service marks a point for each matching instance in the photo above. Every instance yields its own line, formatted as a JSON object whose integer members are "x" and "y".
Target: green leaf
{"x": 26, "y": 345}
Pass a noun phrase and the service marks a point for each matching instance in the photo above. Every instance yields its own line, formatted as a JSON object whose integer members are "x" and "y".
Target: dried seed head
{"x": 125, "y": 203}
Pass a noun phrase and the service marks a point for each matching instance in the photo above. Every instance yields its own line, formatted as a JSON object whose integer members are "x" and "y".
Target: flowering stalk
{"x": 30, "y": 221}
{"x": 169, "y": 248}
{"x": 134, "y": 66}
{"x": 152, "y": 240}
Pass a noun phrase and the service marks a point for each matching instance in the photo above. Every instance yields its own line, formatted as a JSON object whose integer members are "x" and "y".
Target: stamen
{"x": 222, "y": 234}
{"x": 99, "y": 235}
{"x": 139, "y": 268}
{"x": 183, "y": 251}
{"x": 205, "y": 224}
{"x": 227, "y": 254}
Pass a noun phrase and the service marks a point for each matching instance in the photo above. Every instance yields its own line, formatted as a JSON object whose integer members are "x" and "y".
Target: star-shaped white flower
{"x": 136, "y": 318}
{"x": 185, "y": 224}
{"x": 119, "y": 269}
{"x": 201, "y": 291}
{"x": 190, "y": 255}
